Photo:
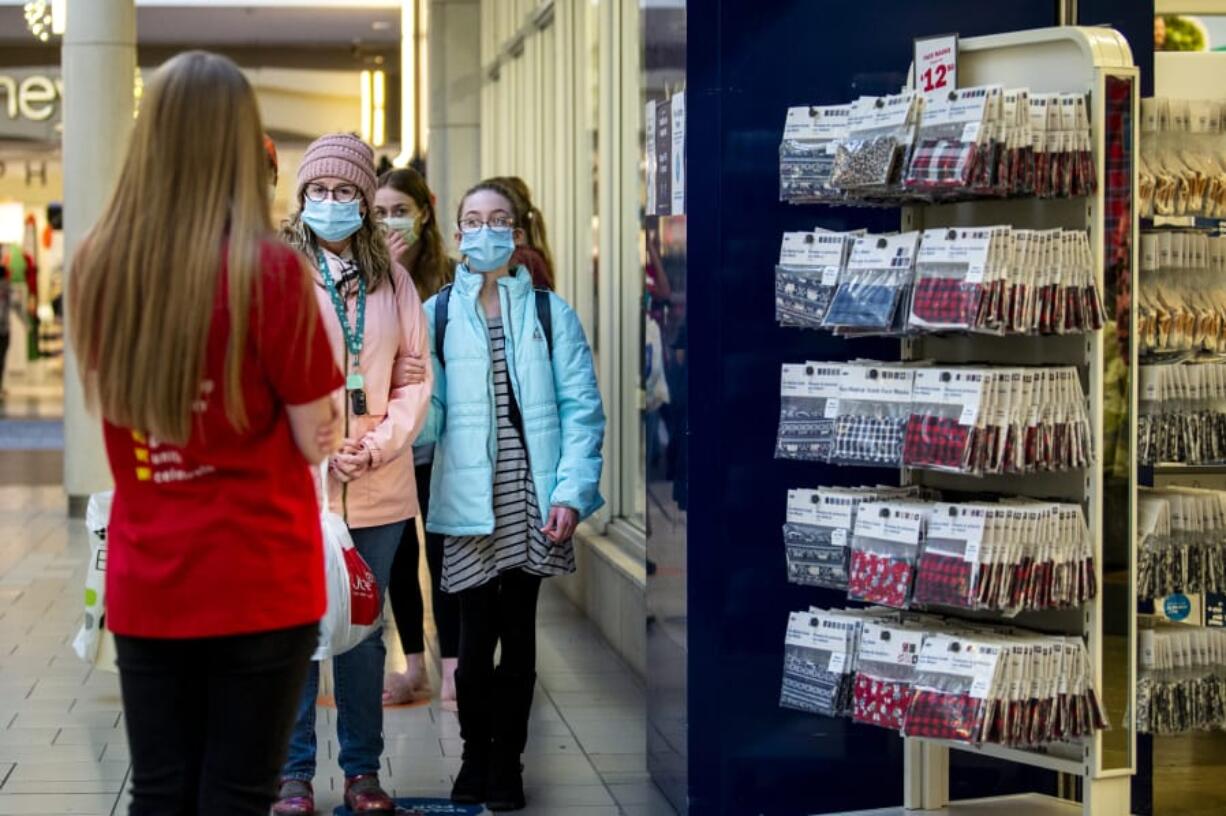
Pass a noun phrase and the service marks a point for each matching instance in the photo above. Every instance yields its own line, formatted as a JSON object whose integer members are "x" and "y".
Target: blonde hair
{"x": 145, "y": 280}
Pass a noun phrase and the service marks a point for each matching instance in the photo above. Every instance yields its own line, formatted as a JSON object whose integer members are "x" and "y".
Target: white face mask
{"x": 406, "y": 226}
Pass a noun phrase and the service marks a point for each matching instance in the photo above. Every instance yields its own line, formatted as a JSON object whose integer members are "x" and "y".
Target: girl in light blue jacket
{"x": 519, "y": 427}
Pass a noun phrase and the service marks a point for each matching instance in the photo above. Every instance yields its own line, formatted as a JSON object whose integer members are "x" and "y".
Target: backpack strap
{"x": 544, "y": 314}
{"x": 440, "y": 322}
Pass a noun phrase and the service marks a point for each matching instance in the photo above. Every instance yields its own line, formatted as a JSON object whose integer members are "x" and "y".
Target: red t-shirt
{"x": 222, "y": 536}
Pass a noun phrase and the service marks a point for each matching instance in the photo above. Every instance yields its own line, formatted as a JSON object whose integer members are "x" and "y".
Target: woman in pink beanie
{"x": 374, "y": 319}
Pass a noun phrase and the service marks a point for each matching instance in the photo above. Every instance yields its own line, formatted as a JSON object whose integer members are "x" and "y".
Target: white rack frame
{"x": 1069, "y": 60}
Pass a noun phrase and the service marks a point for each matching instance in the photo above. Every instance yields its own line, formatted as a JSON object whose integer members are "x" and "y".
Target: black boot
{"x": 474, "y": 700}
{"x": 512, "y": 706}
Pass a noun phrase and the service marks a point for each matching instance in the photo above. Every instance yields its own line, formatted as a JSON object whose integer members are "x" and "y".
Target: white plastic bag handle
{"x": 323, "y": 483}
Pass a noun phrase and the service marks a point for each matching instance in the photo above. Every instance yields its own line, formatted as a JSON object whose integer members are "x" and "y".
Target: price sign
{"x": 936, "y": 64}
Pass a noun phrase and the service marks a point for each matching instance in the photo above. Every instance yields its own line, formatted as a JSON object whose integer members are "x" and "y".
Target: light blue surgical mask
{"x": 488, "y": 249}
{"x": 332, "y": 220}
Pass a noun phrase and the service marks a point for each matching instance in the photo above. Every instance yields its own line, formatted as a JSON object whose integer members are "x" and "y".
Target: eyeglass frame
{"x": 479, "y": 225}
{"x": 331, "y": 192}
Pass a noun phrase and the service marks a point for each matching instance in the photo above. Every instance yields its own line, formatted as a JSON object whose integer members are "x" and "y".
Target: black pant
{"x": 4, "y": 350}
{"x": 405, "y": 590}
{"x": 494, "y": 705}
{"x": 209, "y": 719}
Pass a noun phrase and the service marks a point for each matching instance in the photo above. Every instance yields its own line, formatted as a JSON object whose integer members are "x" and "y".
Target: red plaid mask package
{"x": 885, "y": 671}
{"x": 870, "y": 415}
{"x": 955, "y": 679}
{"x": 946, "y": 404}
{"x": 949, "y": 564}
{"x": 952, "y": 144}
{"x": 884, "y": 550}
{"x": 810, "y": 264}
{"x": 950, "y": 272}
{"x": 806, "y": 155}
{"x": 1060, "y": 126}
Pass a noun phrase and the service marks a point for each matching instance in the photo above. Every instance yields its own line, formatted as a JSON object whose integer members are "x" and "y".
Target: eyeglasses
{"x": 342, "y": 193}
{"x": 498, "y": 223}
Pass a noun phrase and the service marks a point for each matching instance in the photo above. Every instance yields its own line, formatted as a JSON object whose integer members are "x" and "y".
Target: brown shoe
{"x": 364, "y": 794}
{"x": 295, "y": 797}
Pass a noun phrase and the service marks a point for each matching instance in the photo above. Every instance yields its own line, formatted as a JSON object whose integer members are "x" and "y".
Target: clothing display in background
{"x": 1181, "y": 686}
{"x": 1182, "y": 414}
{"x": 1181, "y": 542}
{"x": 1181, "y": 302}
{"x": 983, "y": 280}
{"x": 940, "y": 678}
{"x": 980, "y": 142}
{"x": 1182, "y": 164}
{"x": 968, "y": 419}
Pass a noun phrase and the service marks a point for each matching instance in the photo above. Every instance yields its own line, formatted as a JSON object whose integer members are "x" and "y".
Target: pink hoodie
{"x": 395, "y": 326}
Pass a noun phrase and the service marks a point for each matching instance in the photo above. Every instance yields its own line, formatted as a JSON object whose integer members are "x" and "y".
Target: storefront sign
{"x": 664, "y": 157}
{"x": 30, "y": 103}
{"x": 936, "y": 64}
{"x": 678, "y": 155}
{"x": 649, "y": 125}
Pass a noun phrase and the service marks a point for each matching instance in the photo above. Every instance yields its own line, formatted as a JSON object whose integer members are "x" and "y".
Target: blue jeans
{"x": 358, "y": 675}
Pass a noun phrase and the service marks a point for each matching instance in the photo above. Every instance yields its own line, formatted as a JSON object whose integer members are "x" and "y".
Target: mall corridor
{"x": 62, "y": 743}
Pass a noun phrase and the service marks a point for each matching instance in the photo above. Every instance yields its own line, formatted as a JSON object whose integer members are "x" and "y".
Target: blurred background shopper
{"x": 532, "y": 238}
{"x": 201, "y": 345}
{"x": 373, "y": 316}
{"x": 406, "y": 206}
{"x": 519, "y": 423}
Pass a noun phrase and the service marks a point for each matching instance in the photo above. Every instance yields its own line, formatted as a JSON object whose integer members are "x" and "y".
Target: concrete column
{"x": 99, "y": 62}
{"x": 453, "y": 163}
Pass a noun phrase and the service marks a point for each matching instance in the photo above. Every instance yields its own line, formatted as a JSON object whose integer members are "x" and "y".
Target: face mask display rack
{"x": 956, "y": 186}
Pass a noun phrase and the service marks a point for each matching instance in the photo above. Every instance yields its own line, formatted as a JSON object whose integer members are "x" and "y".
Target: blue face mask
{"x": 488, "y": 249}
{"x": 332, "y": 220}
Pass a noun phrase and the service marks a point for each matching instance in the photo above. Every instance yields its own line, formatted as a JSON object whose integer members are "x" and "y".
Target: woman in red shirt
{"x": 200, "y": 342}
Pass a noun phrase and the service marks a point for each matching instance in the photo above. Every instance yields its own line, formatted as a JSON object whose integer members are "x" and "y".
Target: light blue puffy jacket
{"x": 563, "y": 416}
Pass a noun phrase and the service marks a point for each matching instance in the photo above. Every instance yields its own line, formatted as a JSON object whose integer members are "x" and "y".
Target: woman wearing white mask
{"x": 373, "y": 317}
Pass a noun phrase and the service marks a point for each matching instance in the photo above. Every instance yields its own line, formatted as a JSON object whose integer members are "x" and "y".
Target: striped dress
{"x": 517, "y": 541}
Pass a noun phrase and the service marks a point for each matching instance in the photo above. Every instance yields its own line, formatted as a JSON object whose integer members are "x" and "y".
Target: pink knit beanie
{"x": 340, "y": 155}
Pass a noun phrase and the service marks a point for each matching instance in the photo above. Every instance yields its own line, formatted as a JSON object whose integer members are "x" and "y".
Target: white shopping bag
{"x": 354, "y": 605}
{"x": 93, "y": 643}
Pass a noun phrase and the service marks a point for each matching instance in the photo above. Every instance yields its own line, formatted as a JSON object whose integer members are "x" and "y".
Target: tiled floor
{"x": 62, "y": 743}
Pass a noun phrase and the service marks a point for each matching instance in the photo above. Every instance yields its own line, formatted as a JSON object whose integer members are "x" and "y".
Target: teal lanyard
{"x": 354, "y": 336}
